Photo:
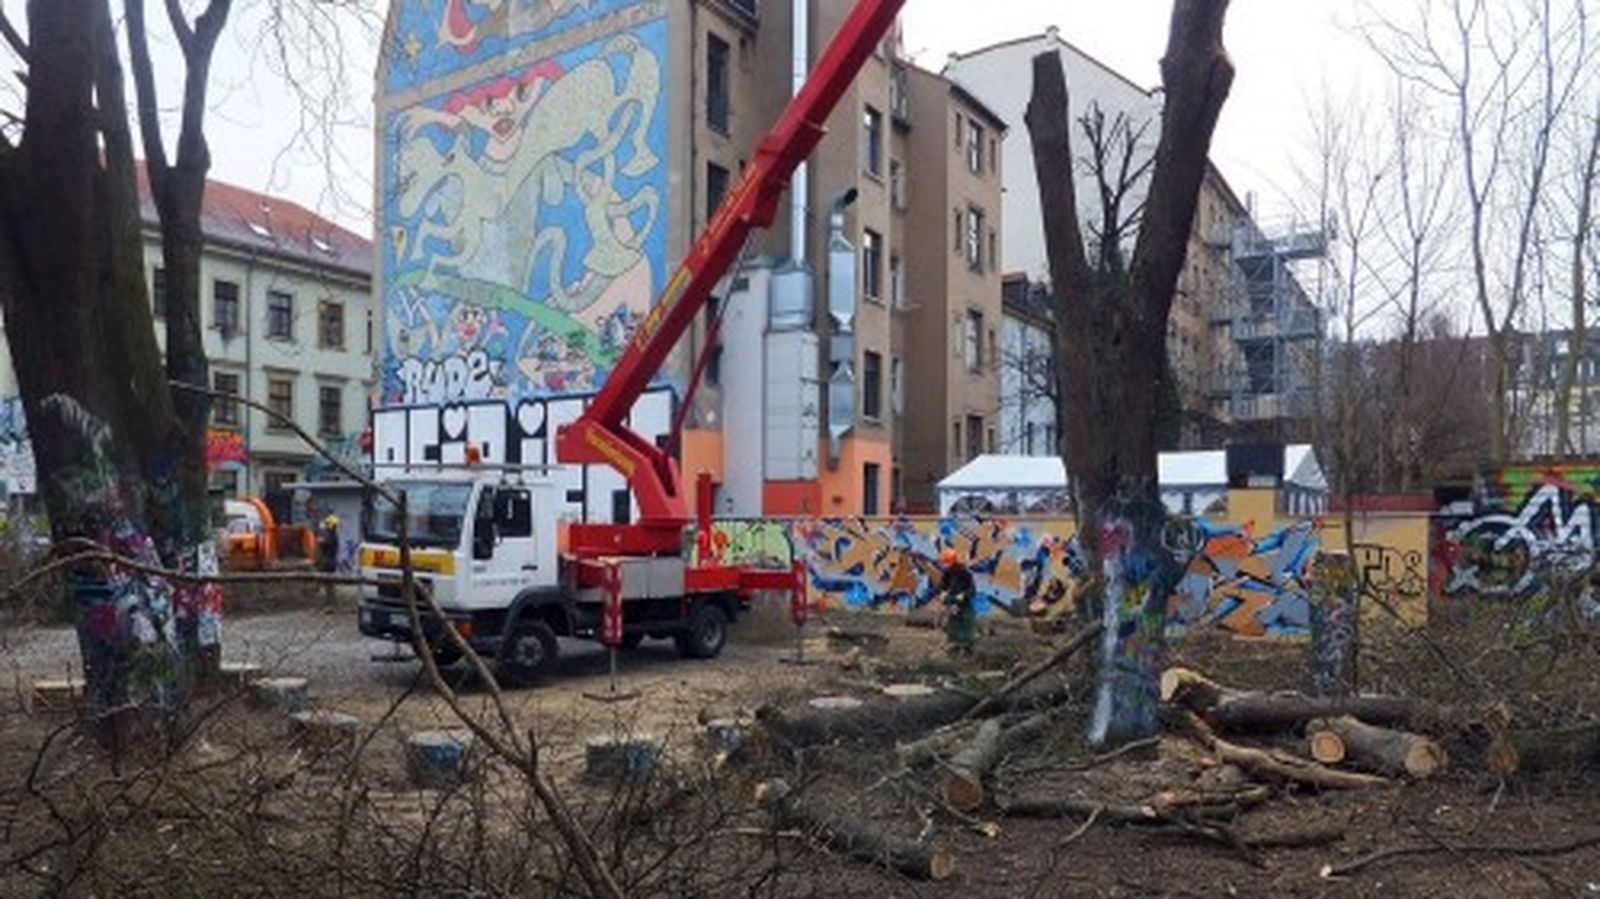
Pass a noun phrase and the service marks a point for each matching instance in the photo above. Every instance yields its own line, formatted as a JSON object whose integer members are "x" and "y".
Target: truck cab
{"x": 486, "y": 545}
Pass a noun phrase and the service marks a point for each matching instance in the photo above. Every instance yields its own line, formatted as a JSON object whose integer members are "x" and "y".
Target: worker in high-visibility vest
{"x": 960, "y": 597}
{"x": 328, "y": 557}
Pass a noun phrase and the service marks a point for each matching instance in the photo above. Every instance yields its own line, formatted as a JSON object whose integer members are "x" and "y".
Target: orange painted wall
{"x": 702, "y": 451}
{"x": 842, "y": 487}
{"x": 791, "y": 499}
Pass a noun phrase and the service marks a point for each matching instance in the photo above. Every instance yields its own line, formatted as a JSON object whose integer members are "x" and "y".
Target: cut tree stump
{"x": 611, "y": 759}
{"x": 323, "y": 731}
{"x": 1377, "y": 748}
{"x": 1240, "y": 710}
{"x": 439, "y": 759}
{"x": 240, "y": 674}
{"x": 55, "y": 695}
{"x": 854, "y": 837}
{"x": 284, "y": 694}
{"x": 1325, "y": 746}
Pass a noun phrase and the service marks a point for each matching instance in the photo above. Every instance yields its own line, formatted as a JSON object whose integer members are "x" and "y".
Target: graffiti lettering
{"x": 469, "y": 377}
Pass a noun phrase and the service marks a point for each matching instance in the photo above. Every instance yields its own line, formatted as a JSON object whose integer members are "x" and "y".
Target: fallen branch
{"x": 1534, "y": 851}
{"x": 1083, "y": 638}
{"x": 854, "y": 837}
{"x": 1277, "y": 766}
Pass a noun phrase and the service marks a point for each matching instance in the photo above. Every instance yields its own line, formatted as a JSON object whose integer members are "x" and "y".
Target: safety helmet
{"x": 331, "y": 521}
{"x": 947, "y": 556}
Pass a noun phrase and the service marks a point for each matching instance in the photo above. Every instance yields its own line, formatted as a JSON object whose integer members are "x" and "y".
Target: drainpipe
{"x": 800, "y": 48}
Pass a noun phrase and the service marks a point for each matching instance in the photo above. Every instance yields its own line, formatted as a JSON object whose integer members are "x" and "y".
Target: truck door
{"x": 513, "y": 565}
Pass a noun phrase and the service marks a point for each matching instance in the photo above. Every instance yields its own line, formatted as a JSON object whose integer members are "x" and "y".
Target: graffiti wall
{"x": 524, "y": 182}
{"x": 17, "y": 473}
{"x": 1531, "y": 531}
{"x": 1233, "y": 579}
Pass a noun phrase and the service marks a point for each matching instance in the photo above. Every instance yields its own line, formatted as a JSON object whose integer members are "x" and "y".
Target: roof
{"x": 1203, "y": 468}
{"x": 1026, "y": 298}
{"x": 254, "y": 222}
{"x": 1050, "y": 34}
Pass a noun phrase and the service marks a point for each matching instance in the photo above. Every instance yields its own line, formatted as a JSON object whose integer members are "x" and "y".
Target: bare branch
{"x": 144, "y": 87}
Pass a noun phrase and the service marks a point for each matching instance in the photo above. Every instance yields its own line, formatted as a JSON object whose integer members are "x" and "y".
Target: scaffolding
{"x": 1273, "y": 326}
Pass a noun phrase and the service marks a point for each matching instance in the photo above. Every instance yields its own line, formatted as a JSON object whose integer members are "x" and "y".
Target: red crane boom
{"x": 599, "y": 435}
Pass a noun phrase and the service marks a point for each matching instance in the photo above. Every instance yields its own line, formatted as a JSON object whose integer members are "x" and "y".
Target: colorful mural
{"x": 1533, "y": 533}
{"x": 1231, "y": 579}
{"x": 523, "y": 198}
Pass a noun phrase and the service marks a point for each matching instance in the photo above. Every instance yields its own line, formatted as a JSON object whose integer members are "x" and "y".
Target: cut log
{"x": 1382, "y": 749}
{"x": 1238, "y": 710}
{"x": 1326, "y": 746}
{"x": 1278, "y": 766}
{"x": 853, "y": 837}
{"x": 843, "y": 638}
{"x": 882, "y": 719}
{"x": 55, "y": 695}
{"x": 1055, "y": 658}
{"x": 942, "y": 742}
{"x": 961, "y": 784}
{"x": 907, "y": 691}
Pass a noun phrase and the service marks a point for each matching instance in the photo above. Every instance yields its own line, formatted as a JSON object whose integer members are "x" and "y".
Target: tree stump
{"x": 240, "y": 674}
{"x": 56, "y": 695}
{"x": 621, "y": 759}
{"x": 284, "y": 694}
{"x": 323, "y": 732}
{"x": 439, "y": 759}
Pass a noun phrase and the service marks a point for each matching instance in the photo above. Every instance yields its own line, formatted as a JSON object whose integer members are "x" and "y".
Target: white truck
{"x": 485, "y": 543}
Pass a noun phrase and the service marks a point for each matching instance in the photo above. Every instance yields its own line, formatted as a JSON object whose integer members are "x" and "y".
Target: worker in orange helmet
{"x": 961, "y": 620}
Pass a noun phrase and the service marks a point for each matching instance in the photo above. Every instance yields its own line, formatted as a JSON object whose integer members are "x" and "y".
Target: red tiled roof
{"x": 244, "y": 219}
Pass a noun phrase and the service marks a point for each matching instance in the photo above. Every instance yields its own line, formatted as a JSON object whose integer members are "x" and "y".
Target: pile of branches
{"x": 1236, "y": 751}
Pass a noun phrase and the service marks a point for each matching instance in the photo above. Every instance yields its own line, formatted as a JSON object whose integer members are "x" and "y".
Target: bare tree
{"x": 1582, "y": 197}
{"x": 1510, "y": 72}
{"x": 1111, "y": 350}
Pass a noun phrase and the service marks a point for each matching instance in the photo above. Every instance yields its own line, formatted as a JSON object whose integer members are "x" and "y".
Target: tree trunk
{"x": 1242, "y": 710}
{"x": 1335, "y": 625}
{"x": 110, "y": 450}
{"x": 961, "y": 782}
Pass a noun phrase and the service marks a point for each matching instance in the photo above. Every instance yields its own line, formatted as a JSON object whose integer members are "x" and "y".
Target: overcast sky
{"x": 1284, "y": 51}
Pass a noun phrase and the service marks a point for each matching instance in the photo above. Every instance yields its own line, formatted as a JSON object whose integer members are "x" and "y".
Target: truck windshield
{"x": 437, "y": 511}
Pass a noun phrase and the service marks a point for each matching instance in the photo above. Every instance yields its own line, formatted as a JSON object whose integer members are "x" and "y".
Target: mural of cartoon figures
{"x": 524, "y": 210}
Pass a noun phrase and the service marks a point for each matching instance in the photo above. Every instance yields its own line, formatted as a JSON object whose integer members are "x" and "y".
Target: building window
{"x": 897, "y": 184}
{"x": 994, "y": 251}
{"x": 871, "y": 385}
{"x": 974, "y": 437}
{"x": 990, "y": 442}
{"x": 330, "y": 411}
{"x": 158, "y": 291}
{"x": 872, "y": 264}
{"x": 975, "y": 148}
{"x": 280, "y": 399}
{"x": 716, "y": 189}
{"x": 897, "y": 282}
{"x": 872, "y": 140}
{"x": 275, "y": 482}
{"x": 955, "y": 441}
{"x": 871, "y": 474}
{"x": 961, "y": 131}
{"x": 1027, "y": 438}
{"x": 225, "y": 412}
{"x": 369, "y": 332}
{"x": 897, "y": 386}
{"x": 330, "y": 325}
{"x": 225, "y": 307}
{"x": 226, "y": 482}
{"x": 975, "y": 232}
{"x": 957, "y": 231}
{"x": 280, "y": 315}
{"x": 972, "y": 340}
{"x": 717, "y": 84}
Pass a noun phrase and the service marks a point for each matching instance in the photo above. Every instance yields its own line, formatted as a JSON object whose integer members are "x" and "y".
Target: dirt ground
{"x": 994, "y": 856}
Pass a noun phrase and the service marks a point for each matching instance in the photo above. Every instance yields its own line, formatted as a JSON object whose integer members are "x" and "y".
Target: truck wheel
{"x": 445, "y": 655}
{"x": 704, "y": 634}
{"x": 530, "y": 653}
